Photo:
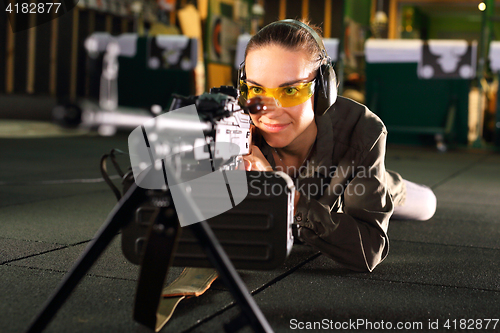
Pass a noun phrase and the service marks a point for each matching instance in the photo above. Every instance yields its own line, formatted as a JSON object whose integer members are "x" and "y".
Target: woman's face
{"x": 273, "y": 66}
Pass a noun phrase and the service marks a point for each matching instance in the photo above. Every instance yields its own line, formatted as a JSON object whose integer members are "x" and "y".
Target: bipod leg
{"x": 218, "y": 257}
{"x": 158, "y": 256}
{"x": 216, "y": 253}
{"x": 115, "y": 221}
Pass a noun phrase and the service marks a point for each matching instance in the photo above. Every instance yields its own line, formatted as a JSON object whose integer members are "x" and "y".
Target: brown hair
{"x": 289, "y": 36}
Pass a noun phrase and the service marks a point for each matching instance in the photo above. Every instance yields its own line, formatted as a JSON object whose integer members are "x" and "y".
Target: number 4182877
{"x": 33, "y": 8}
{"x": 471, "y": 324}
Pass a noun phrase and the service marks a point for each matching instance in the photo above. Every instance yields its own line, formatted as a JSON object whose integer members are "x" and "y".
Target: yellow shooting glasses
{"x": 286, "y": 96}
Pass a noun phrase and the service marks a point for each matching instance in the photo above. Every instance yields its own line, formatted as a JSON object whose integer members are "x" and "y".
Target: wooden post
{"x": 90, "y": 32}
{"x": 327, "y": 25}
{"x": 124, "y": 25}
{"x": 74, "y": 55}
{"x": 109, "y": 23}
{"x": 91, "y": 21}
{"x": 54, "y": 36}
{"x": 282, "y": 9}
{"x": 10, "y": 56}
{"x": 305, "y": 10}
{"x": 173, "y": 14}
{"x": 393, "y": 19}
{"x": 30, "y": 73}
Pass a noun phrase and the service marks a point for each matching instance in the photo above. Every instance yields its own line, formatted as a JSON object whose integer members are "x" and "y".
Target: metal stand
{"x": 135, "y": 196}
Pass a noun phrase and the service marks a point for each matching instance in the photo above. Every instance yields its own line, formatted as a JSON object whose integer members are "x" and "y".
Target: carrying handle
{"x": 104, "y": 171}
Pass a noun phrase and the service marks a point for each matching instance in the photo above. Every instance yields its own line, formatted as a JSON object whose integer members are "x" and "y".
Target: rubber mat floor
{"x": 442, "y": 275}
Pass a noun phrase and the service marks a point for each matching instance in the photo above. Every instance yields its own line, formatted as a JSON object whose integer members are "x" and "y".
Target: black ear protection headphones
{"x": 326, "y": 90}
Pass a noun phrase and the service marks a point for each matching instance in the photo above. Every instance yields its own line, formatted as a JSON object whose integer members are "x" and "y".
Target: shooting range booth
{"x": 150, "y": 68}
{"x": 420, "y": 89}
{"x": 494, "y": 57}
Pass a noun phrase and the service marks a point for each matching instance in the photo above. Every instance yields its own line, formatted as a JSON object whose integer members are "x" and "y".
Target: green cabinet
{"x": 413, "y": 109}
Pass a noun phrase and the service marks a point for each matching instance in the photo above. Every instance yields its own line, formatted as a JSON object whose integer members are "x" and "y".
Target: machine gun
{"x": 168, "y": 159}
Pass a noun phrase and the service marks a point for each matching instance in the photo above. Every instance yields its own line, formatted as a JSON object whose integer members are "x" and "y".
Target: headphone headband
{"x": 313, "y": 33}
{"x": 327, "y": 88}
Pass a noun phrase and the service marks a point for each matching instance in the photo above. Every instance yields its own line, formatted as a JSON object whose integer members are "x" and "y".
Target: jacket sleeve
{"x": 356, "y": 234}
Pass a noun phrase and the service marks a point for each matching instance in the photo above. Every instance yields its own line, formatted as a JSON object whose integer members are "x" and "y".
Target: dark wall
{"x": 42, "y": 58}
{"x": 4, "y": 25}
{"x": 64, "y": 41}
{"x": 43, "y": 42}
{"x": 21, "y": 55}
{"x": 316, "y": 13}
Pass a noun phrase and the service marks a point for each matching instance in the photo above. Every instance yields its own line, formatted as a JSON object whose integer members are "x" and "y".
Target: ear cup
{"x": 241, "y": 77}
{"x": 326, "y": 89}
{"x": 326, "y": 93}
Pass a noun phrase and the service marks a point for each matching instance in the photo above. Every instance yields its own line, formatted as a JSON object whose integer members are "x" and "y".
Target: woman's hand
{"x": 296, "y": 201}
{"x": 255, "y": 161}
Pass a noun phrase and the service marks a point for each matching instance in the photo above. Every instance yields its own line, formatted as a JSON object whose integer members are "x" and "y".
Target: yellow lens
{"x": 257, "y": 91}
{"x": 295, "y": 95}
{"x": 287, "y": 96}
{"x": 244, "y": 90}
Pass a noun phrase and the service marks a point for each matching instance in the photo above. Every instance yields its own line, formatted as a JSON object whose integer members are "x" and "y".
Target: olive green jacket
{"x": 347, "y": 195}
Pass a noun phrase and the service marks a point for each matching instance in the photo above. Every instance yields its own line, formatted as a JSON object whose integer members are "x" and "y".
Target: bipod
{"x": 163, "y": 231}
